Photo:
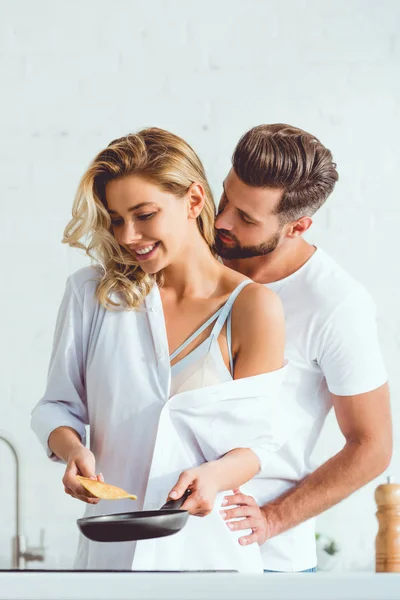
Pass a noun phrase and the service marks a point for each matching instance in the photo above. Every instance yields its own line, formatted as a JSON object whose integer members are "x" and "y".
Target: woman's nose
{"x": 129, "y": 233}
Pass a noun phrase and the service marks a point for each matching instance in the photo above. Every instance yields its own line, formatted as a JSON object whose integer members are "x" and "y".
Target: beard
{"x": 231, "y": 252}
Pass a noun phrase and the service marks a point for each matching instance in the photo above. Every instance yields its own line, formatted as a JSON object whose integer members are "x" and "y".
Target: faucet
{"x": 21, "y": 553}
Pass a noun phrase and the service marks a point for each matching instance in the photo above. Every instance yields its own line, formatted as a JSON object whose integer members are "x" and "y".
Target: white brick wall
{"x": 75, "y": 75}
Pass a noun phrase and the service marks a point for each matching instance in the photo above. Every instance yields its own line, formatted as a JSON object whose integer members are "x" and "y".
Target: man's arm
{"x": 365, "y": 422}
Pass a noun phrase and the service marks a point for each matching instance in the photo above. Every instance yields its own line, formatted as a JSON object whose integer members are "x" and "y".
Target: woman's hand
{"x": 81, "y": 461}
{"x": 204, "y": 487}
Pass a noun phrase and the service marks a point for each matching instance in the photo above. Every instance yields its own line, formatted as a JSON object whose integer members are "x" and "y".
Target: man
{"x": 280, "y": 177}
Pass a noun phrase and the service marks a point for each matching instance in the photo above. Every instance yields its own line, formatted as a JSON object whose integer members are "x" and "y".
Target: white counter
{"x": 52, "y": 585}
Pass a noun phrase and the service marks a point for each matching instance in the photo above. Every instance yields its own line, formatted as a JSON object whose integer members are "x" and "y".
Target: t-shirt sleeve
{"x": 64, "y": 401}
{"x": 349, "y": 352}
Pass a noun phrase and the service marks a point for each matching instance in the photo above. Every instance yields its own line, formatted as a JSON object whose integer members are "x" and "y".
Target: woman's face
{"x": 149, "y": 223}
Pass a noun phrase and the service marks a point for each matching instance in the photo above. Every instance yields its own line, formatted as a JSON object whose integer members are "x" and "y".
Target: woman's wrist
{"x": 214, "y": 473}
{"x": 65, "y": 442}
{"x": 234, "y": 468}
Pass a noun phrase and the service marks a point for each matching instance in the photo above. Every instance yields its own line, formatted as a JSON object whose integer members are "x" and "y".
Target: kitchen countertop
{"x": 100, "y": 585}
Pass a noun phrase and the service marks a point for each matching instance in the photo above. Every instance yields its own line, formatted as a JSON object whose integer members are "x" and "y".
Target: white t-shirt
{"x": 332, "y": 346}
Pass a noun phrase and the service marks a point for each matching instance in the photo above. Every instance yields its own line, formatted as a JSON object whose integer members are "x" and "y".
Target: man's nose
{"x": 223, "y": 222}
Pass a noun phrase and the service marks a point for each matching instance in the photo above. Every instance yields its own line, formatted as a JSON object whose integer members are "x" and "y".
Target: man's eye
{"x": 245, "y": 220}
{"x": 116, "y": 222}
{"x": 221, "y": 208}
{"x": 146, "y": 216}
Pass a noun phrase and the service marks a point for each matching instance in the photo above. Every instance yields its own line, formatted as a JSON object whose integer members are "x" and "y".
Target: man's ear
{"x": 298, "y": 227}
{"x": 196, "y": 198}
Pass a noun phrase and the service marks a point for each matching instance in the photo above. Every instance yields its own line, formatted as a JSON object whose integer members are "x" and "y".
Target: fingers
{"x": 198, "y": 505}
{"x": 184, "y": 481}
{"x": 191, "y": 505}
{"x": 80, "y": 466}
{"x": 250, "y": 517}
{"x": 240, "y": 512}
{"x": 243, "y": 524}
{"x": 201, "y": 482}
{"x": 253, "y": 538}
{"x": 69, "y": 480}
{"x": 82, "y": 498}
{"x": 240, "y": 499}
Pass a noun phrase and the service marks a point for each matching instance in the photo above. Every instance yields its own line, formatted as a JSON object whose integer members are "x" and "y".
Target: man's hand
{"x": 202, "y": 482}
{"x": 251, "y": 518}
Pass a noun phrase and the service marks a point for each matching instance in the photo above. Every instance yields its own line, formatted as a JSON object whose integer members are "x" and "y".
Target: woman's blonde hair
{"x": 161, "y": 158}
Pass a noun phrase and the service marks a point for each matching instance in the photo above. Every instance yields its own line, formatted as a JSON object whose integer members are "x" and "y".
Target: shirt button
{"x": 153, "y": 309}
{"x": 160, "y": 355}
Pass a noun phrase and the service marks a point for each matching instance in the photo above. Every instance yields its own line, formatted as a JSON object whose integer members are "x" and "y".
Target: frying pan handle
{"x": 176, "y": 504}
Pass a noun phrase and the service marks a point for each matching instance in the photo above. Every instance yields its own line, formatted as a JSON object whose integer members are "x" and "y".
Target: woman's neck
{"x": 195, "y": 274}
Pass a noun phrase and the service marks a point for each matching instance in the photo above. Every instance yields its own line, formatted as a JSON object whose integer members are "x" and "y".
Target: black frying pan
{"x": 132, "y": 526}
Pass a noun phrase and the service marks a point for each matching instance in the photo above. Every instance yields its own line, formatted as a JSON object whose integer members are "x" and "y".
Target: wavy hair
{"x": 160, "y": 157}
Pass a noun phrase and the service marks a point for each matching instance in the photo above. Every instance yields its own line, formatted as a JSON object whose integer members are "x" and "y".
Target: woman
{"x": 173, "y": 359}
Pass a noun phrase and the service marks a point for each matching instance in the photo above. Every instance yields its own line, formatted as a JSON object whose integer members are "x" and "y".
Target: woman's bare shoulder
{"x": 252, "y": 297}
{"x": 258, "y": 331}
{"x": 257, "y": 300}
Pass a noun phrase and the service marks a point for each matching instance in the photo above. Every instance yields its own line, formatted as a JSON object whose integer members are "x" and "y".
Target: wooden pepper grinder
{"x": 387, "y": 545}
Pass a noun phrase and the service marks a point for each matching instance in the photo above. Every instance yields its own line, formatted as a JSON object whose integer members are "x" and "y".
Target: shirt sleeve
{"x": 245, "y": 413}
{"x": 64, "y": 401}
{"x": 349, "y": 352}
{"x": 261, "y": 424}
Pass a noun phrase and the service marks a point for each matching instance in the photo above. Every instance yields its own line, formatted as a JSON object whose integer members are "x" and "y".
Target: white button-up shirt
{"x": 111, "y": 369}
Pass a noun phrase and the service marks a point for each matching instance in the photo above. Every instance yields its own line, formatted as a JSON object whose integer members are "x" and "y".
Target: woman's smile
{"x": 144, "y": 252}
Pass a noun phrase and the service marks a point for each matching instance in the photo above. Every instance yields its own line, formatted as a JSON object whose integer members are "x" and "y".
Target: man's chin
{"x": 232, "y": 253}
{"x": 236, "y": 253}
{"x": 225, "y": 252}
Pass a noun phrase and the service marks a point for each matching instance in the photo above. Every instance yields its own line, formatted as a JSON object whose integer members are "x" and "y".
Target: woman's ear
{"x": 196, "y": 197}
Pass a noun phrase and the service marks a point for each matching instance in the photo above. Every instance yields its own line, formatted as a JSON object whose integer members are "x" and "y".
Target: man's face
{"x": 246, "y": 224}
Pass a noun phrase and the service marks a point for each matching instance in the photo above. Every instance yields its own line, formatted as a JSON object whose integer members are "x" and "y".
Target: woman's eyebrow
{"x": 131, "y": 208}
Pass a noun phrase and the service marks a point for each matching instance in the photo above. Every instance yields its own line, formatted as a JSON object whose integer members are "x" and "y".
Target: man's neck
{"x": 276, "y": 265}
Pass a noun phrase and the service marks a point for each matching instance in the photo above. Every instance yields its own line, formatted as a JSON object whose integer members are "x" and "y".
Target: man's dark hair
{"x": 282, "y": 156}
